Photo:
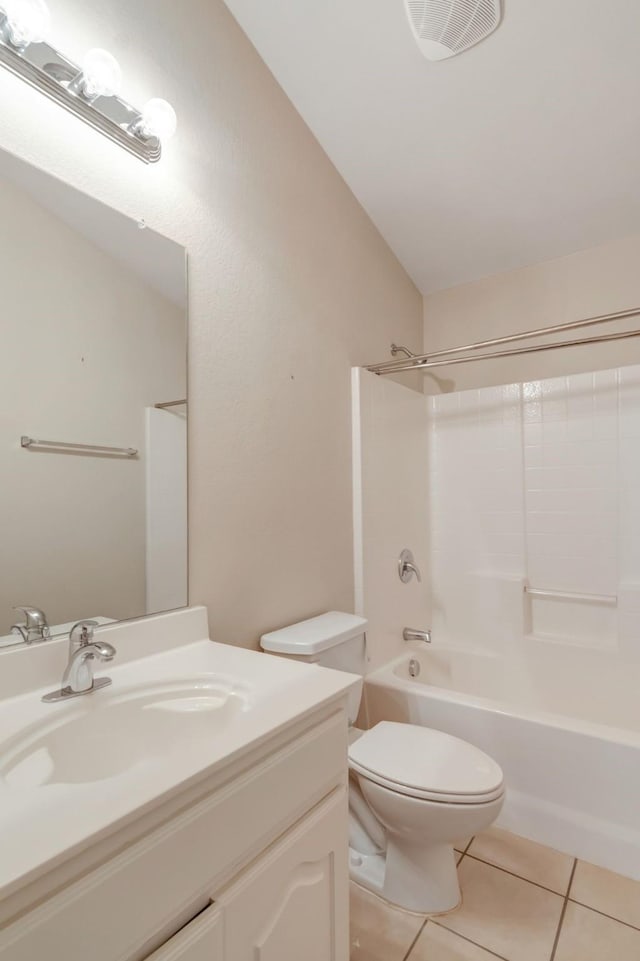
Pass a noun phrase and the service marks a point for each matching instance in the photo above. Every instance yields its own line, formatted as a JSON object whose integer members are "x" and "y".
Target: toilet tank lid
{"x": 314, "y": 635}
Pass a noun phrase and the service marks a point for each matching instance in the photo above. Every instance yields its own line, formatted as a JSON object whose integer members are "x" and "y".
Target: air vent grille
{"x": 451, "y": 25}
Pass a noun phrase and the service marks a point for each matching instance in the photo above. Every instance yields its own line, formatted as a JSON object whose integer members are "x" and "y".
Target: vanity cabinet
{"x": 252, "y": 867}
{"x": 289, "y": 904}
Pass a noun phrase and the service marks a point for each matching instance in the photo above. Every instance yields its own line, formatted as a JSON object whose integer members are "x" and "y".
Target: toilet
{"x": 413, "y": 791}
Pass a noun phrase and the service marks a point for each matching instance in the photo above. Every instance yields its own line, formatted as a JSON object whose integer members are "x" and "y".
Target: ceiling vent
{"x": 444, "y": 28}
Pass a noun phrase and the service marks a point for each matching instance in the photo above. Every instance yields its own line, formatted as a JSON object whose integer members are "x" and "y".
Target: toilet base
{"x": 421, "y": 878}
{"x": 420, "y": 873}
{"x": 367, "y": 870}
{"x": 424, "y": 885}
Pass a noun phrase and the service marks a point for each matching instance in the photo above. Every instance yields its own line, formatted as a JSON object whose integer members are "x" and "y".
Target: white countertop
{"x": 44, "y": 824}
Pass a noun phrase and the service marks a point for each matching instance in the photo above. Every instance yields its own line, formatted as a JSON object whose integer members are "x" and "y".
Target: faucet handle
{"x": 35, "y": 623}
{"x": 407, "y": 567}
{"x": 33, "y": 616}
{"x": 81, "y": 634}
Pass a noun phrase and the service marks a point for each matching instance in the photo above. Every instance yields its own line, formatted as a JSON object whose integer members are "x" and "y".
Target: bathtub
{"x": 569, "y": 751}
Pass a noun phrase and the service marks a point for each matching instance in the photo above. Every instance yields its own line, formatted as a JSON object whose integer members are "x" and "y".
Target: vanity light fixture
{"x": 89, "y": 91}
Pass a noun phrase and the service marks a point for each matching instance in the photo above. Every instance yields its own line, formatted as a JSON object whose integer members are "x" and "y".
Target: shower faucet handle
{"x": 407, "y": 567}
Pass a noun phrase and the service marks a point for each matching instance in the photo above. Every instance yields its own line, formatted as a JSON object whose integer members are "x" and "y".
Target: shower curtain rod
{"x": 427, "y": 361}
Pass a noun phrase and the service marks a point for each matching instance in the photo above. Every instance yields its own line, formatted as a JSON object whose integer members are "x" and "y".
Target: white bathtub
{"x": 570, "y": 754}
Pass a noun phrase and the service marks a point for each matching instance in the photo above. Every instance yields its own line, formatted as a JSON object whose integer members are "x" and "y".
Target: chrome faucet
{"x": 78, "y": 676}
{"x": 407, "y": 567}
{"x": 35, "y": 627}
{"x": 410, "y": 634}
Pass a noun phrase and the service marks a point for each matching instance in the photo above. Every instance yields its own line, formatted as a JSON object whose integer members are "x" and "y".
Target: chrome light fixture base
{"x": 50, "y": 72}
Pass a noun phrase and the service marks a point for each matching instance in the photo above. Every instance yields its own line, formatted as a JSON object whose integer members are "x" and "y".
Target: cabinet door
{"x": 200, "y": 940}
{"x": 293, "y": 904}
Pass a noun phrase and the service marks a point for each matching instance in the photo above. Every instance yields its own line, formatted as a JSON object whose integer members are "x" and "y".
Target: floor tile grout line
{"x": 469, "y": 940}
{"x": 468, "y": 845}
{"x": 556, "y": 940}
{"x": 462, "y": 853}
{"x": 611, "y": 917}
{"x": 520, "y": 877}
{"x": 571, "y": 877}
{"x": 415, "y": 940}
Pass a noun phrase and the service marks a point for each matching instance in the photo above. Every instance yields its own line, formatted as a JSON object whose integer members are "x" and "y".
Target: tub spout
{"x": 410, "y": 634}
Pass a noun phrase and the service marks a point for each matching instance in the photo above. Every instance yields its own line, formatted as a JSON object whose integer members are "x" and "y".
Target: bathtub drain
{"x": 414, "y": 667}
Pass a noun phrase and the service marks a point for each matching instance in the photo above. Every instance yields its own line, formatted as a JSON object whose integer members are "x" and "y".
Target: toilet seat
{"x": 427, "y": 764}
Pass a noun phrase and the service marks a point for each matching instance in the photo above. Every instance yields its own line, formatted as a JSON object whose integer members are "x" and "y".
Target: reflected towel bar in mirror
{"x": 32, "y": 443}
{"x": 170, "y": 403}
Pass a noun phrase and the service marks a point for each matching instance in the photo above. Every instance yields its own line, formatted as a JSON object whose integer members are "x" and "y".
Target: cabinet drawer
{"x": 200, "y": 940}
{"x": 114, "y": 911}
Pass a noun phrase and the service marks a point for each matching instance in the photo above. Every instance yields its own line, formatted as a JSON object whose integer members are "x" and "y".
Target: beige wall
{"x": 587, "y": 283}
{"x": 290, "y": 285}
{"x": 86, "y": 347}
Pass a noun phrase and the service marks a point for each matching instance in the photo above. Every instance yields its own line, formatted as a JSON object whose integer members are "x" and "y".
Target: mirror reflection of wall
{"x": 89, "y": 350}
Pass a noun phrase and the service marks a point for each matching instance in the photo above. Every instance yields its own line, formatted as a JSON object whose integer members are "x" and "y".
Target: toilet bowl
{"x": 428, "y": 790}
{"x": 413, "y": 791}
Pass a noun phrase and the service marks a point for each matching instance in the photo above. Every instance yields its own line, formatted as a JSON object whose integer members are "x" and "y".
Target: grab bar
{"x": 610, "y": 599}
{"x": 31, "y": 442}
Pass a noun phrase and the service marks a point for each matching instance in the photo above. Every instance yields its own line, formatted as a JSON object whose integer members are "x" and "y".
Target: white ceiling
{"x": 524, "y": 148}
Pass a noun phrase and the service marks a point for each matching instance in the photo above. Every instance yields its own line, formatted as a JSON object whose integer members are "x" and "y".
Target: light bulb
{"x": 101, "y": 74}
{"x": 28, "y": 21}
{"x": 158, "y": 119}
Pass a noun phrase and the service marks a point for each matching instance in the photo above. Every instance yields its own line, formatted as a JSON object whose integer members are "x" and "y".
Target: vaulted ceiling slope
{"x": 524, "y": 148}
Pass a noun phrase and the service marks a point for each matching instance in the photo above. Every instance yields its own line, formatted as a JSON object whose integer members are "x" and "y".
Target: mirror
{"x": 94, "y": 333}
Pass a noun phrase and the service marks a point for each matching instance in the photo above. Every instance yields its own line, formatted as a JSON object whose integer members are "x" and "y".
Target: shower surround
{"x": 535, "y": 514}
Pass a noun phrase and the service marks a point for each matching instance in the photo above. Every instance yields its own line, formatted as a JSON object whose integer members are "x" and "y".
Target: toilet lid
{"x": 425, "y": 763}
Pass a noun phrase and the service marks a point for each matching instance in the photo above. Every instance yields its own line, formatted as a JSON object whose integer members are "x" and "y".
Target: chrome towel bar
{"x": 32, "y": 443}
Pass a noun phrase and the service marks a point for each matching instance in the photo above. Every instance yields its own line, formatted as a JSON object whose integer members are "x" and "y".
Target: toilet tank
{"x": 334, "y": 640}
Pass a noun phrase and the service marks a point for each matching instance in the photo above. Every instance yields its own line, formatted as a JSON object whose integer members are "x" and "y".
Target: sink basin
{"x": 107, "y": 734}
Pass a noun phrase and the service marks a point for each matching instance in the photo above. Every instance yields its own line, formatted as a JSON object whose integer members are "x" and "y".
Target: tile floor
{"x": 521, "y": 902}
